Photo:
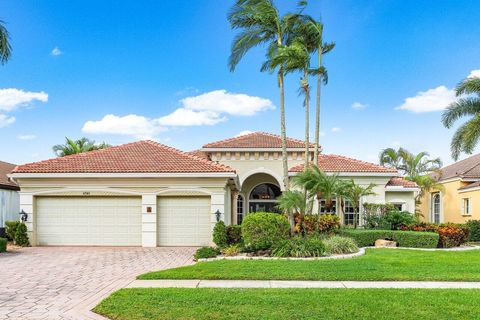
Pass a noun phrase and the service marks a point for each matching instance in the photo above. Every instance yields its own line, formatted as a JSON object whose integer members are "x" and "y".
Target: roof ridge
{"x": 269, "y": 134}
{"x": 361, "y": 161}
{"x": 231, "y": 138}
{"x": 9, "y": 163}
{"x": 462, "y": 161}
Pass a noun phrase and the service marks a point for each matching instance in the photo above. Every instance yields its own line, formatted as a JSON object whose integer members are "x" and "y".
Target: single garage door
{"x": 184, "y": 221}
{"x": 100, "y": 221}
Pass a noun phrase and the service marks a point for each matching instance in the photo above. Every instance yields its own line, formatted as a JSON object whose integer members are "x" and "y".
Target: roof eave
{"x": 17, "y": 175}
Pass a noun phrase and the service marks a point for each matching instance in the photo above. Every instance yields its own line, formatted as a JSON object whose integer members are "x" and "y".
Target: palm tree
{"x": 354, "y": 193}
{"x": 5, "y": 48}
{"x": 410, "y": 164}
{"x": 392, "y": 158}
{"x": 467, "y": 135}
{"x": 77, "y": 146}
{"x": 292, "y": 201}
{"x": 319, "y": 183}
{"x": 261, "y": 24}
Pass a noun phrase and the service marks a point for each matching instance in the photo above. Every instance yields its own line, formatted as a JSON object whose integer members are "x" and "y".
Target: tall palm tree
{"x": 77, "y": 146}
{"x": 410, "y": 164}
{"x": 354, "y": 192}
{"x": 467, "y": 135}
{"x": 261, "y": 24}
{"x": 5, "y": 48}
{"x": 392, "y": 158}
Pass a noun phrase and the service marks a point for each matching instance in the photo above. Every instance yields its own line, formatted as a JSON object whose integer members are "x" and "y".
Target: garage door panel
{"x": 184, "y": 221}
{"x": 88, "y": 221}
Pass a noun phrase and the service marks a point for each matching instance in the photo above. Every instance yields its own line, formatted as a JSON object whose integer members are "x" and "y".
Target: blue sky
{"x": 158, "y": 69}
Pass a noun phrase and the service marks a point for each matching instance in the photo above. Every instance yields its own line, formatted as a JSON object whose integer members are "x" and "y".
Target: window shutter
{"x": 469, "y": 205}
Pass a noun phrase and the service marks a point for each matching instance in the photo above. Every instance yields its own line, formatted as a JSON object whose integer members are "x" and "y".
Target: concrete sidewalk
{"x": 301, "y": 284}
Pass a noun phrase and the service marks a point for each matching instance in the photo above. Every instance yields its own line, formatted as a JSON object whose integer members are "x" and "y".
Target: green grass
{"x": 377, "y": 264}
{"x": 339, "y": 304}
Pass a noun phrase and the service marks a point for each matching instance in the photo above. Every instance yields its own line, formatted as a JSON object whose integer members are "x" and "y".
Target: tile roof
{"x": 336, "y": 163}
{"x": 6, "y": 168}
{"x": 401, "y": 182}
{"x": 470, "y": 186}
{"x": 256, "y": 140}
{"x": 467, "y": 168}
{"x": 199, "y": 154}
{"x": 137, "y": 157}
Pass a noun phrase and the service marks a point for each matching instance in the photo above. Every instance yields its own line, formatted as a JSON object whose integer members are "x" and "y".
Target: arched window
{"x": 265, "y": 191}
{"x": 436, "y": 208}
{"x": 240, "y": 211}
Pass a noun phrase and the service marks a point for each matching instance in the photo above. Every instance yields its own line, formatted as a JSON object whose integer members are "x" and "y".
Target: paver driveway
{"x": 66, "y": 282}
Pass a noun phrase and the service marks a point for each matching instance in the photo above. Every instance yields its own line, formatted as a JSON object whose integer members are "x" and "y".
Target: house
{"x": 9, "y": 200}
{"x": 458, "y": 198}
{"x": 145, "y": 193}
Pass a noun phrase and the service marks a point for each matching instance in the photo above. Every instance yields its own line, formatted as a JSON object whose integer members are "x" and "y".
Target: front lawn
{"x": 192, "y": 304}
{"x": 377, "y": 264}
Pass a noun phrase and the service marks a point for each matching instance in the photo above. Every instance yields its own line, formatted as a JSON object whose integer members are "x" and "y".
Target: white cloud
{"x": 359, "y": 106}
{"x": 187, "y": 117}
{"x": 26, "y": 137}
{"x": 11, "y": 99}
{"x": 336, "y": 129}
{"x": 474, "y": 74}
{"x": 244, "y": 132}
{"x": 435, "y": 99}
{"x": 5, "y": 120}
{"x": 56, "y": 52}
{"x": 132, "y": 124}
{"x": 220, "y": 101}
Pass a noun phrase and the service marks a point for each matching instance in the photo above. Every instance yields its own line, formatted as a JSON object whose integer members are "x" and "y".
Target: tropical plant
{"x": 410, "y": 164}
{"x": 293, "y": 201}
{"x": 321, "y": 184}
{"x": 77, "y": 146}
{"x": 5, "y": 48}
{"x": 220, "y": 237}
{"x": 466, "y": 137}
{"x": 354, "y": 192}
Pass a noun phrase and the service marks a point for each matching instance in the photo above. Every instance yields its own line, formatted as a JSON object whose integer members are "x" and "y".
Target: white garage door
{"x": 102, "y": 221}
{"x": 184, "y": 221}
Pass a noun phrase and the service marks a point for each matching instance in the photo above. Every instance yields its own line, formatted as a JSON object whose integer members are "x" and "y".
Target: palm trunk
{"x": 317, "y": 113}
{"x": 307, "y": 136}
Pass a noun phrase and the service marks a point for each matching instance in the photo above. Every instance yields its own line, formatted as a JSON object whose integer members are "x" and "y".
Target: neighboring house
{"x": 9, "y": 200}
{"x": 458, "y": 200}
{"x": 145, "y": 193}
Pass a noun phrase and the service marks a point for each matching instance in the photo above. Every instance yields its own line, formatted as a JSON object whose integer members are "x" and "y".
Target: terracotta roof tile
{"x": 336, "y": 163}
{"x": 199, "y": 154}
{"x": 467, "y": 168}
{"x": 6, "y": 168}
{"x": 401, "y": 182}
{"x": 137, "y": 157}
{"x": 256, "y": 140}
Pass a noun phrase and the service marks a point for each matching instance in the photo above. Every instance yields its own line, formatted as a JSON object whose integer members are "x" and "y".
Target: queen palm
{"x": 354, "y": 192}
{"x": 261, "y": 24}
{"x": 467, "y": 135}
{"x": 410, "y": 164}
{"x": 5, "y": 48}
{"x": 77, "y": 146}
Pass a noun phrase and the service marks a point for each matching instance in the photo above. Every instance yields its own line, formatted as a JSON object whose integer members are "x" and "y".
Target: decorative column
{"x": 149, "y": 220}
{"x": 234, "y": 207}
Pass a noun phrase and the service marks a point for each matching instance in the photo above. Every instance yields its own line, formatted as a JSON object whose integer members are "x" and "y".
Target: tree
{"x": 408, "y": 163}
{"x": 320, "y": 184}
{"x": 77, "y": 146}
{"x": 354, "y": 192}
{"x": 5, "y": 48}
{"x": 292, "y": 201}
{"x": 466, "y": 137}
{"x": 261, "y": 24}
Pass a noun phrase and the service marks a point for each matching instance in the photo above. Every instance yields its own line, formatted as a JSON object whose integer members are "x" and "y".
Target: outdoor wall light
{"x": 218, "y": 214}
{"x": 24, "y": 215}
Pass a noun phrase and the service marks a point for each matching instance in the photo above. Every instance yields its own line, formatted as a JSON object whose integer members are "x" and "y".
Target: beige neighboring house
{"x": 148, "y": 194}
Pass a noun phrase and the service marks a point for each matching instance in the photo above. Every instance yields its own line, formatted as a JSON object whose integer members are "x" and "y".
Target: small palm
{"x": 77, "y": 146}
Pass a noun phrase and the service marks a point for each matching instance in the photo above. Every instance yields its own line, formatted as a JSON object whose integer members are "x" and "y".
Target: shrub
{"x": 396, "y": 219}
{"x": 3, "y": 244}
{"x": 473, "y": 230}
{"x": 451, "y": 235}
{"x": 262, "y": 230}
{"x": 300, "y": 248}
{"x": 234, "y": 234}
{"x": 232, "y": 250}
{"x": 205, "y": 253}
{"x": 340, "y": 245}
{"x": 11, "y": 229}
{"x": 365, "y": 238}
{"x": 220, "y": 234}
{"x": 21, "y": 236}
{"x": 327, "y": 223}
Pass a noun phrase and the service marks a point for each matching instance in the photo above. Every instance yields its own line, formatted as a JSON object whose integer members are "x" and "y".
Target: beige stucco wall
{"x": 451, "y": 202}
{"x": 407, "y": 199}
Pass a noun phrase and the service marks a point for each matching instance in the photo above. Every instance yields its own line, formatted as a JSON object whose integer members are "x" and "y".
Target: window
{"x": 350, "y": 217}
{"x": 327, "y": 207}
{"x": 398, "y": 206}
{"x": 466, "y": 207}
{"x": 239, "y": 209}
{"x": 436, "y": 208}
{"x": 265, "y": 191}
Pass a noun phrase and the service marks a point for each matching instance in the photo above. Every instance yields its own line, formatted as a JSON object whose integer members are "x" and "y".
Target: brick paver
{"x": 67, "y": 282}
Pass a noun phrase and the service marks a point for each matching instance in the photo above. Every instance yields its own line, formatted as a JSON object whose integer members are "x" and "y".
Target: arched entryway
{"x": 263, "y": 198}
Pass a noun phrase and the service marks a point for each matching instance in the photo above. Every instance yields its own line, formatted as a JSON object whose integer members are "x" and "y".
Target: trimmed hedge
{"x": 3, "y": 245}
{"x": 474, "y": 230}
{"x": 410, "y": 239}
{"x": 220, "y": 234}
{"x": 262, "y": 230}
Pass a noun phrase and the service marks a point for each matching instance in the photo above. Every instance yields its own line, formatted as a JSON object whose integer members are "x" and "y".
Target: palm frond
{"x": 462, "y": 107}
{"x": 468, "y": 86}
{"x": 5, "y": 48}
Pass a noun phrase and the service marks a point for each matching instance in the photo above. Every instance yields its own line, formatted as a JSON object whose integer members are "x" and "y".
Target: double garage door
{"x": 117, "y": 221}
